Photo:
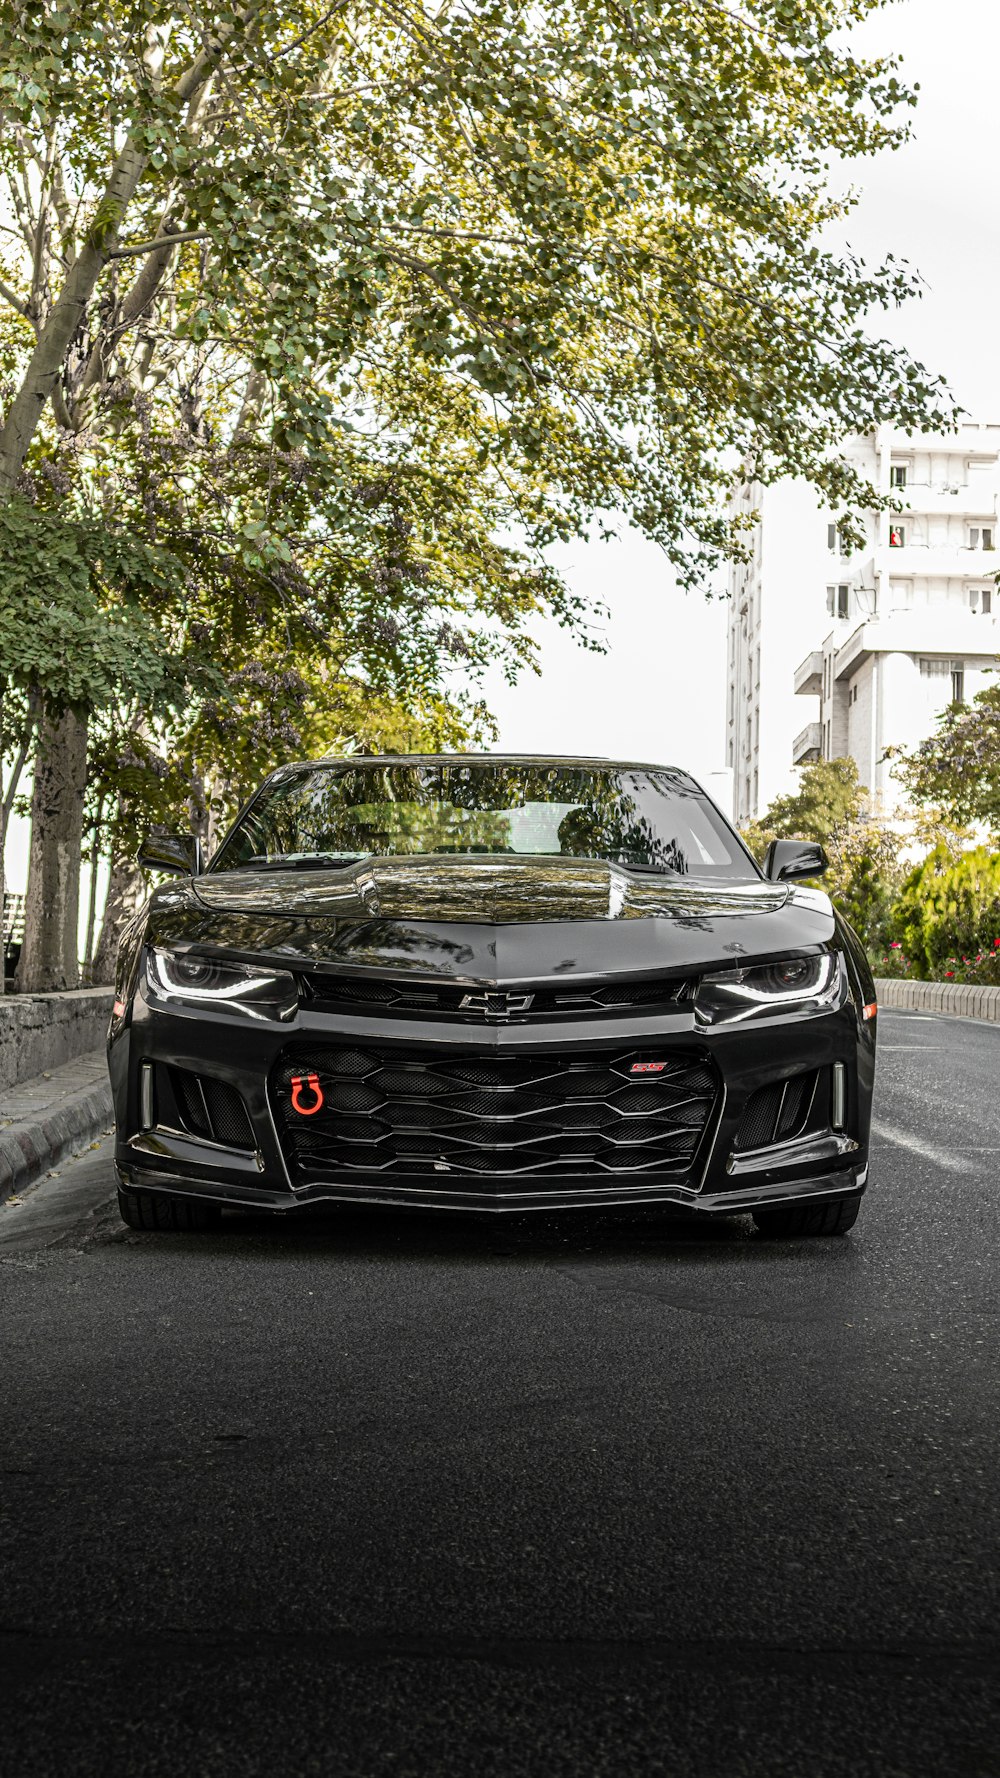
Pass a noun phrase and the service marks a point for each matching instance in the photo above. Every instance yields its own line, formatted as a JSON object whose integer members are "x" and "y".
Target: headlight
{"x": 796, "y": 984}
{"x": 261, "y": 993}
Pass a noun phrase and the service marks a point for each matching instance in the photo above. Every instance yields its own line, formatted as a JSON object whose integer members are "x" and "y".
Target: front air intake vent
{"x": 212, "y": 1109}
{"x": 776, "y": 1113}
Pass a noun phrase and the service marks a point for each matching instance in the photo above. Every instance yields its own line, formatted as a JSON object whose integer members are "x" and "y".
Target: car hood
{"x": 499, "y": 891}
{"x": 488, "y": 919}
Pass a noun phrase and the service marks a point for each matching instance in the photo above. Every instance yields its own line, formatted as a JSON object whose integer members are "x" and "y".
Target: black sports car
{"x": 490, "y": 983}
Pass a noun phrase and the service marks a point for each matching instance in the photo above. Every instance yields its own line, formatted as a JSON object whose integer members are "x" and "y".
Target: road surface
{"x": 375, "y": 1495}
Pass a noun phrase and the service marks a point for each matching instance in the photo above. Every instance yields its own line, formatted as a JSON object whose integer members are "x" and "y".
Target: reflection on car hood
{"x": 489, "y": 890}
{"x": 487, "y": 920}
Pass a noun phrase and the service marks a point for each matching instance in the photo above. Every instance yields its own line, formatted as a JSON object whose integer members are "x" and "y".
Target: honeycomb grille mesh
{"x": 385, "y": 1114}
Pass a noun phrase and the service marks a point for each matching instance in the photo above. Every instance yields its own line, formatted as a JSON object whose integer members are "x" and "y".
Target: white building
{"x": 879, "y": 641}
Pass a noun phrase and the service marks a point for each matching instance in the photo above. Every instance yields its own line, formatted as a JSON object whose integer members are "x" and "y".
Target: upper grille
{"x": 362, "y": 994}
{"x": 384, "y": 1112}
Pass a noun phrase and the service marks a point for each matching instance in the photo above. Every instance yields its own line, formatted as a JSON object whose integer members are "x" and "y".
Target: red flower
{"x": 948, "y": 974}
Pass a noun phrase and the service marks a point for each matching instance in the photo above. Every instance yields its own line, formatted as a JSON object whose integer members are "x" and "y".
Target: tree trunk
{"x": 49, "y": 957}
{"x": 8, "y": 792}
{"x": 124, "y": 896}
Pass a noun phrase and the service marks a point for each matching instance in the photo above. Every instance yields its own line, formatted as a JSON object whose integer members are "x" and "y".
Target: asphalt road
{"x": 371, "y": 1495}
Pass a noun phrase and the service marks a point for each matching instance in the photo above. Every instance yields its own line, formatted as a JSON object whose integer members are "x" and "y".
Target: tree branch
{"x": 15, "y": 302}
{"x": 156, "y": 246}
{"x": 98, "y": 244}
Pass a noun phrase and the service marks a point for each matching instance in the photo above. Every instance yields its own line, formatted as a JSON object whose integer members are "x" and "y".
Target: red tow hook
{"x": 310, "y": 1084}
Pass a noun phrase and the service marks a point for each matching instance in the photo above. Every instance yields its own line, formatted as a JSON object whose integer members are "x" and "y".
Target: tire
{"x": 160, "y": 1213}
{"x": 808, "y": 1219}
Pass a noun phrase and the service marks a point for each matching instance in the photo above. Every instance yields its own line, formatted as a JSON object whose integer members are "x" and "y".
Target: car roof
{"x": 496, "y": 759}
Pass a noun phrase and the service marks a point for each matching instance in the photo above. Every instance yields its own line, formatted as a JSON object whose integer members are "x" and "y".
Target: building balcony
{"x": 970, "y": 499}
{"x": 807, "y": 744}
{"x": 976, "y": 438}
{"x": 949, "y": 560}
{"x": 930, "y": 631}
{"x": 809, "y": 675}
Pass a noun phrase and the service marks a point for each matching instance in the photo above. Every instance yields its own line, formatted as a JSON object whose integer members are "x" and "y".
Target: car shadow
{"x": 365, "y": 1232}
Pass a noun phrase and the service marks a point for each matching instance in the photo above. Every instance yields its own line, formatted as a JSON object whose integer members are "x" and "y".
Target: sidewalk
{"x": 44, "y": 1119}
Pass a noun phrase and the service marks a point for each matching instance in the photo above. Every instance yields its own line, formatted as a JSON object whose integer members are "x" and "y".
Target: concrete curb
{"x": 57, "y": 1115}
{"x": 956, "y": 998}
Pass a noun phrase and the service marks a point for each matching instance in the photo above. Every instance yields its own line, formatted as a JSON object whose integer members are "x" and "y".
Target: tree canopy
{"x": 955, "y": 772}
{"x": 564, "y": 257}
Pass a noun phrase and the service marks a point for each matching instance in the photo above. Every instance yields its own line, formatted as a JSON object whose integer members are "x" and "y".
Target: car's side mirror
{"x": 791, "y": 861}
{"x": 175, "y": 854}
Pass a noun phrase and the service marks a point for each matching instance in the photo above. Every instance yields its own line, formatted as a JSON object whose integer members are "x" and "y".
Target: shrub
{"x": 947, "y": 915}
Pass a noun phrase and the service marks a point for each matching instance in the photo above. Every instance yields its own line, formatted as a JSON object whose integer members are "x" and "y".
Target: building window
{"x": 897, "y": 475}
{"x": 958, "y": 682}
{"x": 838, "y": 600}
{"x": 981, "y": 600}
{"x": 852, "y": 696}
{"x": 981, "y": 536}
{"x": 897, "y": 537}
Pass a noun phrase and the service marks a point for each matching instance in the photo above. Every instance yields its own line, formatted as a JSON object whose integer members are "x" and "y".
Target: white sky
{"x": 659, "y": 693}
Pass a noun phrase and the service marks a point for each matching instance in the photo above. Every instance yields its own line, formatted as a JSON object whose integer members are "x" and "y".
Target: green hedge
{"x": 948, "y": 911}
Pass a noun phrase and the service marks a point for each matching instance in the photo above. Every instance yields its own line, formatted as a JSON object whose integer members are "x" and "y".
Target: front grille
{"x": 387, "y": 1113}
{"x": 776, "y": 1113}
{"x": 212, "y": 1108}
{"x": 360, "y": 994}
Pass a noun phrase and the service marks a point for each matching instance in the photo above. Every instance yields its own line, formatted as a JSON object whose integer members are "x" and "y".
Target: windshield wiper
{"x": 302, "y": 861}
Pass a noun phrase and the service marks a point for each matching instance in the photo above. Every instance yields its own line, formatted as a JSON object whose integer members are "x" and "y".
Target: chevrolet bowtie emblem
{"x": 495, "y": 1006}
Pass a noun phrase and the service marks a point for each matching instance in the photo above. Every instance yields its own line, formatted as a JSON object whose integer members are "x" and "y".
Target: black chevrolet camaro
{"x": 484, "y": 982}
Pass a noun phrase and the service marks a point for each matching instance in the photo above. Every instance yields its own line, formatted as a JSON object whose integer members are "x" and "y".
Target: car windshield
{"x": 328, "y": 817}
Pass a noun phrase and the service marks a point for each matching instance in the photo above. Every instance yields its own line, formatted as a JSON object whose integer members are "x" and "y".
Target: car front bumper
{"x": 154, "y": 1152}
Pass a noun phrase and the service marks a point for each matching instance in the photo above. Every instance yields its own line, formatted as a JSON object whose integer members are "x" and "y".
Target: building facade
{"x": 879, "y": 641}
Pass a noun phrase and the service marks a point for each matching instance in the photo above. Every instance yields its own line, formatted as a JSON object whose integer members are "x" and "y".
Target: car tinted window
{"x": 331, "y": 815}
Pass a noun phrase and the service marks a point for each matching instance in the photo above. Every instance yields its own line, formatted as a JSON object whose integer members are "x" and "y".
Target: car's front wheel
{"x": 160, "y": 1213}
{"x": 808, "y": 1219}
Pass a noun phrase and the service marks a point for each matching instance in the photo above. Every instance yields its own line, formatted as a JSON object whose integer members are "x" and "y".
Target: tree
{"x": 829, "y": 799}
{"x": 954, "y": 775}
{"x": 832, "y": 807}
{"x": 421, "y": 291}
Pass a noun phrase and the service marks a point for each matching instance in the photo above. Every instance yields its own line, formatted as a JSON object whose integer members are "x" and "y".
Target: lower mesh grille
{"x": 212, "y": 1108}
{"x": 776, "y": 1113}
{"x": 382, "y": 1113}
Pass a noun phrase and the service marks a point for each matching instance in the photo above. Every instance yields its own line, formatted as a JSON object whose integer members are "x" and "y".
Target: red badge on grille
{"x": 306, "y": 1083}
{"x": 647, "y": 1067}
